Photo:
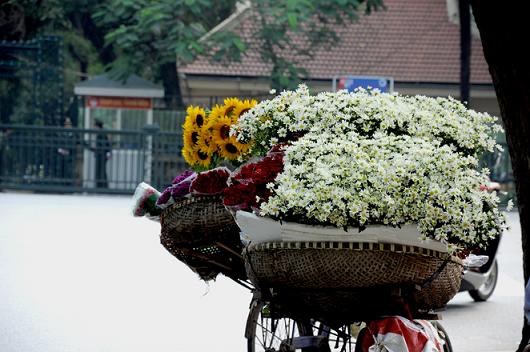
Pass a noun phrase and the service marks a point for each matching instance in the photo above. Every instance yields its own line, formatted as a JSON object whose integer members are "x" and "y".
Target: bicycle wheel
{"x": 341, "y": 339}
{"x": 443, "y": 336}
{"x": 267, "y": 334}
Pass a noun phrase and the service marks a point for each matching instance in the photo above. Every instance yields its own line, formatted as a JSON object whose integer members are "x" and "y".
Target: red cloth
{"x": 398, "y": 334}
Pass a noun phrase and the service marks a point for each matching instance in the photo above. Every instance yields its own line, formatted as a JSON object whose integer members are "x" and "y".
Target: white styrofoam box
{"x": 262, "y": 229}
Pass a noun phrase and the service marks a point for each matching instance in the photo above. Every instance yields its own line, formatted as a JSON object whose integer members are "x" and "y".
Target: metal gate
{"x": 57, "y": 159}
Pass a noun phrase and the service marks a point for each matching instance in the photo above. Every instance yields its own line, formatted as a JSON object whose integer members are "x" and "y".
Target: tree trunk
{"x": 83, "y": 22}
{"x": 503, "y": 29}
{"x": 465, "y": 49}
{"x": 172, "y": 94}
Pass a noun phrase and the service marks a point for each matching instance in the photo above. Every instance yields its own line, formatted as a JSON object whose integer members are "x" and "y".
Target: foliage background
{"x": 152, "y": 38}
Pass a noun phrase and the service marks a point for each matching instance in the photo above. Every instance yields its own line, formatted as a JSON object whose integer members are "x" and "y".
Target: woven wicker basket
{"x": 200, "y": 232}
{"x": 341, "y": 277}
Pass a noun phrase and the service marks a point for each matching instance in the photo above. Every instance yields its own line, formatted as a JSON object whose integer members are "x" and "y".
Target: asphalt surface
{"x": 79, "y": 273}
{"x": 494, "y": 325}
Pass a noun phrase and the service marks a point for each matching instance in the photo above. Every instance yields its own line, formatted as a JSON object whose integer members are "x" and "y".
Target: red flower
{"x": 249, "y": 184}
{"x": 263, "y": 171}
{"x": 210, "y": 182}
{"x": 242, "y": 196}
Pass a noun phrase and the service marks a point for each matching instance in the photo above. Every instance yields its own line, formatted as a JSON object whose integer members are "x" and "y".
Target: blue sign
{"x": 349, "y": 83}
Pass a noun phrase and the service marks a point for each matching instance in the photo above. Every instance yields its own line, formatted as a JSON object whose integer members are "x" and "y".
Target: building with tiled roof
{"x": 412, "y": 41}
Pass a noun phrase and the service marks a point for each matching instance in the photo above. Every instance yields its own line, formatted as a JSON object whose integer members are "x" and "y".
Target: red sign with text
{"x": 119, "y": 103}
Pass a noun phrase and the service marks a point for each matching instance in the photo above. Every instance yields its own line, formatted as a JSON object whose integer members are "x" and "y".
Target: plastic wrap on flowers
{"x": 179, "y": 188}
{"x": 145, "y": 198}
{"x": 199, "y": 231}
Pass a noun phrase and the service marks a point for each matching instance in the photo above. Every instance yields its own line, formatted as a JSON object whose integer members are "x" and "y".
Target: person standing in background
{"x": 102, "y": 154}
{"x": 67, "y": 154}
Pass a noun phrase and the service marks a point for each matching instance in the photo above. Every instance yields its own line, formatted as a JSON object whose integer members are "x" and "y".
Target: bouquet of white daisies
{"x": 363, "y": 158}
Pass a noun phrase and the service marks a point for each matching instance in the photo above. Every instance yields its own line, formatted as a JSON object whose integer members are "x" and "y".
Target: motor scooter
{"x": 481, "y": 282}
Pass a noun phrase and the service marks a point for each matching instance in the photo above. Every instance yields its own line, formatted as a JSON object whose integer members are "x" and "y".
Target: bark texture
{"x": 173, "y": 95}
{"x": 465, "y": 49}
{"x": 504, "y": 33}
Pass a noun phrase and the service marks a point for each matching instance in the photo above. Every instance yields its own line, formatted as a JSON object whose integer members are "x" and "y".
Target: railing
{"x": 56, "y": 159}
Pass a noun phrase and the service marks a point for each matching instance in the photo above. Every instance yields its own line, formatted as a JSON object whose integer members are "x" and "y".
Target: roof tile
{"x": 412, "y": 41}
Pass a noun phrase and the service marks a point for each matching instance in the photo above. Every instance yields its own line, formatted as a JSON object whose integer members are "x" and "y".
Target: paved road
{"x": 494, "y": 325}
{"x": 79, "y": 274}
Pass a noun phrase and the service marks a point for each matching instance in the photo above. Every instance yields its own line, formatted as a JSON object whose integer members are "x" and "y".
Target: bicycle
{"x": 269, "y": 329}
{"x": 325, "y": 319}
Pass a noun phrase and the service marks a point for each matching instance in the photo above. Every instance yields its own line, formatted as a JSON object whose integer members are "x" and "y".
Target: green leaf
{"x": 284, "y": 80}
{"x": 189, "y": 2}
{"x": 291, "y": 4}
{"x": 196, "y": 47}
{"x": 293, "y": 20}
{"x": 239, "y": 43}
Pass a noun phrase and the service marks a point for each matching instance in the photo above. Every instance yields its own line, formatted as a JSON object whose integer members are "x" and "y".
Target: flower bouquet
{"x": 196, "y": 227}
{"x": 207, "y": 139}
{"x": 352, "y": 161}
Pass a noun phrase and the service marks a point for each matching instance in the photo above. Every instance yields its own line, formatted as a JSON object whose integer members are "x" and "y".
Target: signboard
{"x": 119, "y": 103}
{"x": 384, "y": 84}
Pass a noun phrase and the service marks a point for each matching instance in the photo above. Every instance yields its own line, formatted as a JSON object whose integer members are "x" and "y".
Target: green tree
{"x": 84, "y": 52}
{"x": 503, "y": 32}
{"x": 151, "y": 36}
{"x": 73, "y": 21}
{"x": 154, "y": 37}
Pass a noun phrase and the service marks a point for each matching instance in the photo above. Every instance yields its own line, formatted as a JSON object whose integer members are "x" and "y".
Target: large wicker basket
{"x": 341, "y": 281}
{"x": 200, "y": 232}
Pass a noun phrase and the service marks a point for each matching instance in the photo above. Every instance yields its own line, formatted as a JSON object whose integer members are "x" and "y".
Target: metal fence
{"x": 56, "y": 159}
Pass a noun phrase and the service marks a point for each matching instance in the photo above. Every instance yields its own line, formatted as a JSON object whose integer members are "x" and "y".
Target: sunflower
{"x": 243, "y": 147}
{"x": 230, "y": 105}
{"x": 242, "y": 108}
{"x": 203, "y": 159}
{"x": 205, "y": 142}
{"x": 220, "y": 129}
{"x": 196, "y": 116}
{"x": 191, "y": 137}
{"x": 228, "y": 149}
{"x": 217, "y": 111}
{"x": 207, "y": 137}
{"x": 189, "y": 156}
